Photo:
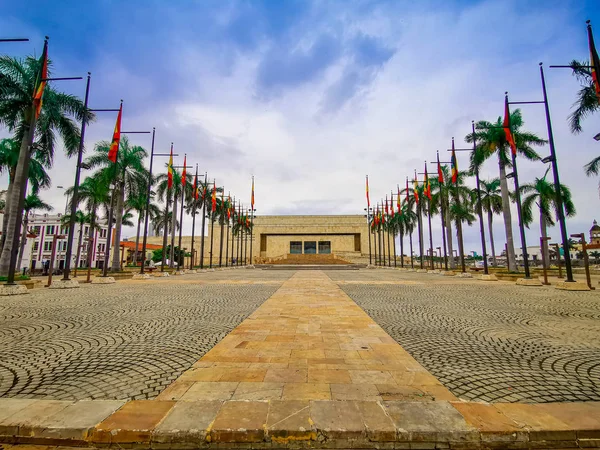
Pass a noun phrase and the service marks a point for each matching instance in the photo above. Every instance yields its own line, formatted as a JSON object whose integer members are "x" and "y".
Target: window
{"x": 64, "y": 229}
{"x": 49, "y": 229}
{"x": 86, "y": 230}
{"x": 103, "y": 233}
{"x": 48, "y": 246}
{"x": 325, "y": 247}
{"x": 296, "y": 248}
{"x": 36, "y": 246}
{"x": 101, "y": 247}
{"x": 310, "y": 247}
{"x": 37, "y": 229}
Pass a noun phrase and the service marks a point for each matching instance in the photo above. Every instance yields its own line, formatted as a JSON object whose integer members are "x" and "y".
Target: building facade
{"x": 48, "y": 228}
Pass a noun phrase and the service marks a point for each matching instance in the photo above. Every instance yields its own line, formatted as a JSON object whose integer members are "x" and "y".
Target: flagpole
{"x": 381, "y": 259}
{"x": 388, "y": 240}
{"x": 240, "y": 232}
{"x": 368, "y": 219}
{"x": 246, "y": 240}
{"x": 113, "y": 187}
{"x": 400, "y": 229}
{"x": 232, "y": 225}
{"x": 205, "y": 191}
{"x": 252, "y": 220}
{"x": 222, "y": 228}
{"x": 480, "y": 206}
{"x": 147, "y": 208}
{"x": 166, "y": 222}
{"x": 412, "y": 263}
{"x": 227, "y": 236}
{"x": 394, "y": 230}
{"x": 194, "y": 204}
{"x": 442, "y": 212}
{"x": 212, "y": 226}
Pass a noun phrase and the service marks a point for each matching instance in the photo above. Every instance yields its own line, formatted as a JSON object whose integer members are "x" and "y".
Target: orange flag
{"x": 114, "y": 145}
{"x": 170, "y": 170}
{"x": 368, "y": 200}
{"x": 40, "y": 84}
{"x": 506, "y": 125}
{"x": 183, "y": 173}
{"x": 252, "y": 195}
{"x": 214, "y": 197}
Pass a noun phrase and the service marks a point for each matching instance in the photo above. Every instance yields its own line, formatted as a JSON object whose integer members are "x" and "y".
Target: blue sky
{"x": 309, "y": 96}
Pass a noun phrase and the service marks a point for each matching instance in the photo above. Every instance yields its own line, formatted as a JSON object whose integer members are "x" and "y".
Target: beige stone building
{"x": 275, "y": 237}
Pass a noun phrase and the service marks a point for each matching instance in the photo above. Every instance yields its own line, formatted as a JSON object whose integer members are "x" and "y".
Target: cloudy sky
{"x": 310, "y": 96}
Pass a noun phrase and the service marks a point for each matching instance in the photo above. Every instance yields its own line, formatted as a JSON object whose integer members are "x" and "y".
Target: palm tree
{"x": 32, "y": 202}
{"x": 137, "y": 203}
{"x": 587, "y": 100}
{"x": 596, "y": 255}
{"x": 9, "y": 157}
{"x": 81, "y": 219}
{"x": 491, "y": 140}
{"x": 491, "y": 202}
{"x": 132, "y": 179}
{"x": 60, "y": 114}
{"x": 94, "y": 191}
{"x": 159, "y": 221}
{"x": 403, "y": 223}
{"x": 542, "y": 193}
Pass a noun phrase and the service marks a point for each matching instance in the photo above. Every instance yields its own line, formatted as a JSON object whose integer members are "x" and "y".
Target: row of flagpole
{"x": 383, "y": 209}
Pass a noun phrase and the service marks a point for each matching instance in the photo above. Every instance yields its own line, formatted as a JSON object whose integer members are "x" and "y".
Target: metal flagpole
{"x": 246, "y": 240}
{"x": 204, "y": 192}
{"x": 232, "y": 225}
{"x": 147, "y": 209}
{"x": 227, "y": 236}
{"x": 194, "y": 204}
{"x": 212, "y": 227}
{"x": 222, "y": 228}
{"x": 388, "y": 239}
{"x": 442, "y": 212}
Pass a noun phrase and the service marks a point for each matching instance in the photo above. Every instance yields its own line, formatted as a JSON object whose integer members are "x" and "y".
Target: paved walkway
{"x": 309, "y": 341}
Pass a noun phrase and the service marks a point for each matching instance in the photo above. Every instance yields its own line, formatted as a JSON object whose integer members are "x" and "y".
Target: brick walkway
{"x": 309, "y": 341}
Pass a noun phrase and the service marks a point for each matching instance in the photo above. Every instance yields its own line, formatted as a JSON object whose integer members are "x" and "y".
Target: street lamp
{"x": 68, "y": 196}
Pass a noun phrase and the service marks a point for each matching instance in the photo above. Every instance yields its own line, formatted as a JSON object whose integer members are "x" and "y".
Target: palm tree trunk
{"x": 173, "y": 231}
{"x": 510, "y": 246}
{"x": 18, "y": 191}
{"x": 401, "y": 248}
{"x": 137, "y": 240}
{"x": 116, "y": 256}
{"x": 78, "y": 248}
{"x": 23, "y": 240}
{"x": 490, "y": 221}
{"x": 544, "y": 231}
{"x": 452, "y": 261}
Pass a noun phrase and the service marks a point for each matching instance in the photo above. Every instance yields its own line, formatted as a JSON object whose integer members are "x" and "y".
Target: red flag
{"x": 407, "y": 197}
{"x": 454, "y": 164}
{"x": 416, "y": 189}
{"x": 398, "y": 202}
{"x": 440, "y": 172}
{"x": 40, "y": 84}
{"x": 114, "y": 145}
{"x": 214, "y": 197}
{"x": 387, "y": 209}
{"x": 368, "y": 200}
{"x": 228, "y": 207}
{"x": 183, "y": 172}
{"x": 252, "y": 196}
{"x": 594, "y": 62}
{"x": 170, "y": 170}
{"x": 195, "y": 190}
{"x": 506, "y": 126}
{"x": 426, "y": 185}
{"x": 392, "y": 205}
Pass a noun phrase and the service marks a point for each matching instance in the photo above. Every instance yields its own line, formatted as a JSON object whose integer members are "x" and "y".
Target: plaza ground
{"x": 368, "y": 353}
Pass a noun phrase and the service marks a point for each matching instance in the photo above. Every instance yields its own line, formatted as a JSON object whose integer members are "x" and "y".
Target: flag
{"x": 398, "y": 203}
{"x": 228, "y": 207}
{"x": 195, "y": 190}
{"x": 506, "y": 126}
{"x": 440, "y": 172}
{"x": 387, "y": 209}
{"x": 377, "y": 216}
{"x": 407, "y": 197}
{"x": 170, "y": 170}
{"x": 454, "y": 164}
{"x": 252, "y": 196}
{"x": 368, "y": 201}
{"x": 183, "y": 172}
{"x": 594, "y": 62}
{"x": 40, "y": 82}
{"x": 214, "y": 196}
{"x": 116, "y": 139}
{"x": 426, "y": 185}
{"x": 392, "y": 205}
{"x": 416, "y": 189}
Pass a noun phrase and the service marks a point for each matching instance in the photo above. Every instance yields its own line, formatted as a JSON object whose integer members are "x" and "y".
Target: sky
{"x": 311, "y": 96}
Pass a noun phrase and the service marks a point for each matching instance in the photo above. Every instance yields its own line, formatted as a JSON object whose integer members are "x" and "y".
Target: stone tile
{"x": 577, "y": 416}
{"x": 338, "y": 420}
{"x": 289, "y": 421}
{"x": 175, "y": 390}
{"x": 210, "y": 391}
{"x": 328, "y": 376}
{"x": 355, "y": 392}
{"x": 240, "y": 421}
{"x": 541, "y": 425}
{"x": 404, "y": 393}
{"x": 291, "y": 375}
{"x": 370, "y": 377}
{"x": 75, "y": 422}
{"x": 10, "y": 406}
{"x": 306, "y": 391}
{"x": 439, "y": 393}
{"x": 379, "y": 426}
{"x": 31, "y": 415}
{"x": 492, "y": 424}
{"x": 258, "y": 391}
{"x": 187, "y": 423}
{"x": 429, "y": 422}
{"x": 253, "y": 375}
{"x": 133, "y": 423}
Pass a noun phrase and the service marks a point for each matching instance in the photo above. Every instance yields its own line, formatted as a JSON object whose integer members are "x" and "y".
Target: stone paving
{"x": 124, "y": 341}
{"x": 488, "y": 341}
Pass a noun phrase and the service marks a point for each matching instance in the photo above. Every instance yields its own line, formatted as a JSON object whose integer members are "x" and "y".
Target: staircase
{"x": 316, "y": 261}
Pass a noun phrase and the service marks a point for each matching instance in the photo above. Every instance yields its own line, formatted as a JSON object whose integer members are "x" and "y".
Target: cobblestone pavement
{"x": 124, "y": 341}
{"x": 495, "y": 341}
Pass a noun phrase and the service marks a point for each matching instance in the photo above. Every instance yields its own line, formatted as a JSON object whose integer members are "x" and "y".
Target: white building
{"x": 48, "y": 227}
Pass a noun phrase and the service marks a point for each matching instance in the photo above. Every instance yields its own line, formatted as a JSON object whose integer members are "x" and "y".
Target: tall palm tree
{"x": 587, "y": 100}
{"x": 61, "y": 114}
{"x": 491, "y": 140}
{"x": 132, "y": 179}
{"x": 94, "y": 191}
{"x": 38, "y": 177}
{"x": 542, "y": 193}
{"x": 137, "y": 203}
{"x": 32, "y": 202}
{"x": 491, "y": 202}
{"x": 81, "y": 219}
{"x": 403, "y": 223}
